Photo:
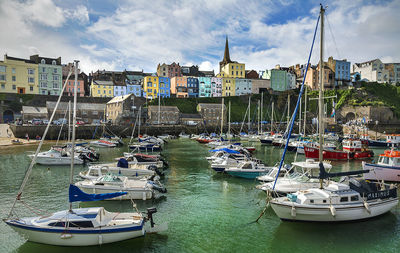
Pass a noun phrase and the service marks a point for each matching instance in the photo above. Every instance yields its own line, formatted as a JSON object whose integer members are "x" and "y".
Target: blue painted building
{"x": 164, "y": 87}
{"x": 193, "y": 87}
{"x": 242, "y": 86}
{"x": 119, "y": 90}
{"x": 134, "y": 89}
{"x": 133, "y": 82}
{"x": 204, "y": 86}
{"x": 342, "y": 71}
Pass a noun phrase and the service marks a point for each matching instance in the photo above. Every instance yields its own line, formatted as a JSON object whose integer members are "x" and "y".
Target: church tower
{"x": 226, "y": 59}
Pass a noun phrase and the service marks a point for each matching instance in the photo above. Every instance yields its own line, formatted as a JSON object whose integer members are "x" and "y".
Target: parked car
{"x": 60, "y": 121}
{"x": 37, "y": 122}
{"x": 45, "y": 121}
{"x": 80, "y": 122}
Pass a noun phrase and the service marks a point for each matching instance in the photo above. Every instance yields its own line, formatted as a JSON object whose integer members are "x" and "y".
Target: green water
{"x": 205, "y": 211}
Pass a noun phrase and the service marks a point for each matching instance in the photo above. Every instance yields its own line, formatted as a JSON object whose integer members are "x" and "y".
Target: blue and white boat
{"x": 82, "y": 226}
{"x": 248, "y": 169}
{"x": 146, "y": 147}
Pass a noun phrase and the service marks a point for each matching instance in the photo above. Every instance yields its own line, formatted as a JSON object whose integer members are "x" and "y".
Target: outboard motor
{"x": 156, "y": 170}
{"x": 150, "y": 212}
{"x": 158, "y": 186}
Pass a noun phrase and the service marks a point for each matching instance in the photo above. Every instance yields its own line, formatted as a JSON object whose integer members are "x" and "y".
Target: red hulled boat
{"x": 352, "y": 149}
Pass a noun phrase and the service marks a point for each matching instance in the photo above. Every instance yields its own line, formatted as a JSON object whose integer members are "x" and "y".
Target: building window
{"x": 43, "y": 84}
{"x": 14, "y": 78}
{"x": 55, "y": 71}
{"x": 3, "y": 86}
{"x": 53, "y": 62}
{"x": 55, "y": 78}
{"x": 31, "y": 79}
{"x": 31, "y": 88}
{"x": 31, "y": 71}
{"x": 98, "y": 92}
{"x": 2, "y": 68}
{"x": 43, "y": 76}
{"x": 14, "y": 87}
{"x": 55, "y": 85}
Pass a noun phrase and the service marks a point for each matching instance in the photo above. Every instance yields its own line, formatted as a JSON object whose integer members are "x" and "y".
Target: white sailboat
{"x": 335, "y": 202}
{"x": 80, "y": 226}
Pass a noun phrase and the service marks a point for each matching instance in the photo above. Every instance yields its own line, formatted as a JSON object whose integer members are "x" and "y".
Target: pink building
{"x": 69, "y": 88}
{"x": 216, "y": 87}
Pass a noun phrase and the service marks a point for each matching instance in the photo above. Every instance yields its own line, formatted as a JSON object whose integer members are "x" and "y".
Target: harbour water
{"x": 205, "y": 211}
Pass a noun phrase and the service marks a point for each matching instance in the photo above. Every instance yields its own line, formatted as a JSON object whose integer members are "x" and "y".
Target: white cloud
{"x": 80, "y": 14}
{"x": 136, "y": 35}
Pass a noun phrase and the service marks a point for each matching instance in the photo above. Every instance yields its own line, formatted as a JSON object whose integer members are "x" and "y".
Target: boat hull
{"x": 142, "y": 194}
{"x": 44, "y": 160}
{"x": 381, "y": 172}
{"x": 266, "y": 141}
{"x": 77, "y": 237}
{"x": 313, "y": 153}
{"x": 324, "y": 214}
{"x": 247, "y": 174}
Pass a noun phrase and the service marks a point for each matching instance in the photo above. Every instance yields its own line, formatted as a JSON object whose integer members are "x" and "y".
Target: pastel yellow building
{"x": 100, "y": 88}
{"x": 229, "y": 68}
{"x": 18, "y": 76}
{"x": 235, "y": 70}
{"x": 150, "y": 87}
{"x": 228, "y": 86}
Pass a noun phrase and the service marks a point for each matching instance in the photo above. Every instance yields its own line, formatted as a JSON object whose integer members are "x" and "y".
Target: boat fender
{"x": 293, "y": 212}
{"x": 333, "y": 210}
{"x": 367, "y": 207}
{"x": 100, "y": 239}
{"x": 66, "y": 236}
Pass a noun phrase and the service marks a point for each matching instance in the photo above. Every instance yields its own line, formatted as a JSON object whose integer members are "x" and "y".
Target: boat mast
{"x": 248, "y": 118}
{"x": 321, "y": 88}
{"x": 305, "y": 112}
{"x": 222, "y": 116}
{"x": 261, "y": 113}
{"x": 300, "y": 118}
{"x": 159, "y": 108}
{"x": 288, "y": 112}
{"x": 272, "y": 116}
{"x": 140, "y": 114}
{"x": 71, "y": 176}
{"x": 258, "y": 117}
{"x": 69, "y": 120}
{"x": 229, "y": 121}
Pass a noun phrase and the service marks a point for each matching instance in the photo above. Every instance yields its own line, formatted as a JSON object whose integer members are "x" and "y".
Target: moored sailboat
{"x": 75, "y": 226}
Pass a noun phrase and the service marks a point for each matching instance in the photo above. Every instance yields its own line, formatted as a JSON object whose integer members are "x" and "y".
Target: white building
{"x": 372, "y": 71}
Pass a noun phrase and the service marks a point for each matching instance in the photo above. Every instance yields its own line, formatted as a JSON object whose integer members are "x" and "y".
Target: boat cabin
{"x": 352, "y": 145}
{"x": 390, "y": 158}
{"x": 393, "y": 138}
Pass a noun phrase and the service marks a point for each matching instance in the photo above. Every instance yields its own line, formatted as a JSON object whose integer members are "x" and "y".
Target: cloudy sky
{"x": 138, "y": 34}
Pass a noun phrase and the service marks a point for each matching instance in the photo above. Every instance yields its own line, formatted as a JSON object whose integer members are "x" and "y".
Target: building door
{"x": 21, "y": 90}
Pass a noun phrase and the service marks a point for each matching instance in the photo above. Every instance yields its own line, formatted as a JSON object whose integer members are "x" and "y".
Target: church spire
{"x": 226, "y": 53}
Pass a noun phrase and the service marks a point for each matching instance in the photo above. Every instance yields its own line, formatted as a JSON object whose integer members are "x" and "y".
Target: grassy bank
{"x": 369, "y": 94}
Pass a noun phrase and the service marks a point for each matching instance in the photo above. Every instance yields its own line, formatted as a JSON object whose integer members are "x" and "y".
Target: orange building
{"x": 179, "y": 87}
